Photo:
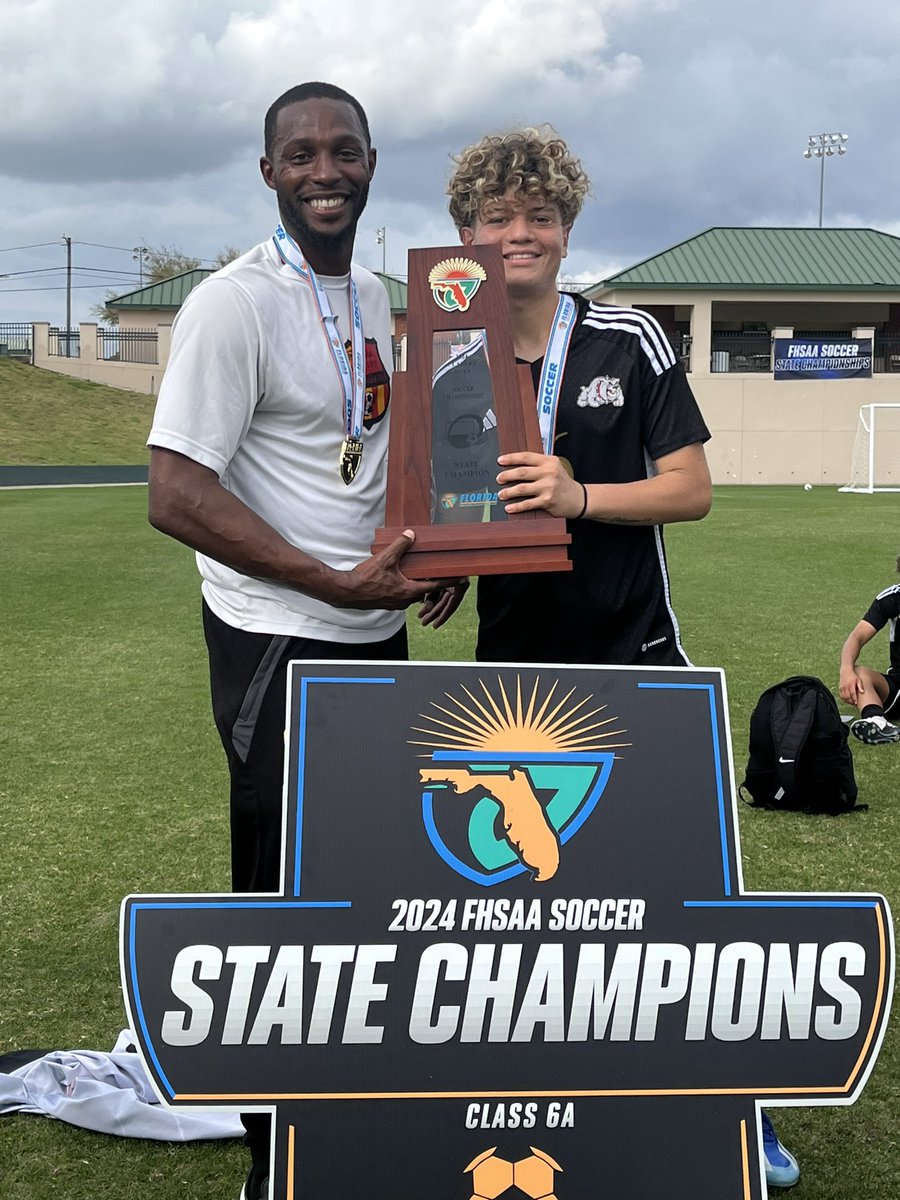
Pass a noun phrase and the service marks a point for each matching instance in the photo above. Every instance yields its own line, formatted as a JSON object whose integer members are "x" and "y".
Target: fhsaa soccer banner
{"x": 512, "y": 954}
{"x": 829, "y": 358}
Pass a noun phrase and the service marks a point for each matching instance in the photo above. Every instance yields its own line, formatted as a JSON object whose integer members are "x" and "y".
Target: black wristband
{"x": 584, "y": 506}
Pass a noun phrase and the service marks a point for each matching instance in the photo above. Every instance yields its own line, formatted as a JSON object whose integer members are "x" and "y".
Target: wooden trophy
{"x": 460, "y": 403}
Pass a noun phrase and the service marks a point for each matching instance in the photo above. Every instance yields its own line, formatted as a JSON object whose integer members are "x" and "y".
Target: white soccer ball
{"x": 807, "y": 487}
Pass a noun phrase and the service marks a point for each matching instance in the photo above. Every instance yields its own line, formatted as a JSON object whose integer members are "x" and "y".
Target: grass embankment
{"x": 51, "y": 420}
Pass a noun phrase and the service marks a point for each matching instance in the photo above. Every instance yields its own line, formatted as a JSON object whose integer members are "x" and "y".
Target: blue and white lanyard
{"x": 353, "y": 381}
{"x": 552, "y": 370}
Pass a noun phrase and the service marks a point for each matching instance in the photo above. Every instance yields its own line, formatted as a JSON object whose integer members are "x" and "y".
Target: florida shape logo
{"x": 454, "y": 283}
{"x": 512, "y": 780}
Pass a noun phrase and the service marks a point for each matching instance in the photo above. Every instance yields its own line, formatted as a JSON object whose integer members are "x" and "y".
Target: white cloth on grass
{"x": 107, "y": 1093}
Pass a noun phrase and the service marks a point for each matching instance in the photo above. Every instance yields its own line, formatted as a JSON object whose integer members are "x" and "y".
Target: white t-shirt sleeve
{"x": 214, "y": 378}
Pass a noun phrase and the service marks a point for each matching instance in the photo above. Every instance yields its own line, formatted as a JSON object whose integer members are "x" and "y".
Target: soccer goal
{"x": 875, "y": 466}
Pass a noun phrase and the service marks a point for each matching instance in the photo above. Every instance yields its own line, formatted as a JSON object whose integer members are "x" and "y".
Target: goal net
{"x": 875, "y": 465}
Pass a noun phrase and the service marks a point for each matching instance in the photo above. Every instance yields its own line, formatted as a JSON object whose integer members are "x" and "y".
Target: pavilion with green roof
{"x": 725, "y": 294}
{"x": 157, "y": 303}
{"x": 726, "y": 282}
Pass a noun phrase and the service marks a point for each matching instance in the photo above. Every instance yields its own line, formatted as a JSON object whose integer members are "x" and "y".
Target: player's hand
{"x": 442, "y": 603}
{"x": 378, "y": 582}
{"x": 850, "y": 686}
{"x": 530, "y": 481}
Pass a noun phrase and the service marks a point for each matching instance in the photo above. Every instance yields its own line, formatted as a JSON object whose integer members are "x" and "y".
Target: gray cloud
{"x": 144, "y": 124}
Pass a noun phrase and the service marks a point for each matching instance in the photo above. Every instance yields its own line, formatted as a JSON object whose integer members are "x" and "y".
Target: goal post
{"x": 875, "y": 463}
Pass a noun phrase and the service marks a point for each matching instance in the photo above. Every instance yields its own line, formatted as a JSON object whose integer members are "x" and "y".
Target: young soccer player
{"x": 623, "y": 436}
{"x": 876, "y": 696}
{"x": 623, "y": 442}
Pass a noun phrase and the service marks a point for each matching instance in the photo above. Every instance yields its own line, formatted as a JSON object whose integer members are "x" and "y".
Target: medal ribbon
{"x": 552, "y": 370}
{"x": 353, "y": 380}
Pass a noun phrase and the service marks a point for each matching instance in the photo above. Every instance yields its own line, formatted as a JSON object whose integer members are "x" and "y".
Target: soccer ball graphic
{"x": 492, "y": 1177}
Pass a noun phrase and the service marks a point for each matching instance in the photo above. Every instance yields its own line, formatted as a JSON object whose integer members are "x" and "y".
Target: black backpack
{"x": 799, "y": 757}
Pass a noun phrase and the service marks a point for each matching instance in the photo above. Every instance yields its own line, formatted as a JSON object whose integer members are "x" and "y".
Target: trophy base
{"x": 449, "y": 552}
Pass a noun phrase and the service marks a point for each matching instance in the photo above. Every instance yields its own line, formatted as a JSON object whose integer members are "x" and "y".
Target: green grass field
{"x": 113, "y": 782}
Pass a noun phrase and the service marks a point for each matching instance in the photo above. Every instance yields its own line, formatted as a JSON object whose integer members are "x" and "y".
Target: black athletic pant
{"x": 248, "y": 679}
{"x": 248, "y": 676}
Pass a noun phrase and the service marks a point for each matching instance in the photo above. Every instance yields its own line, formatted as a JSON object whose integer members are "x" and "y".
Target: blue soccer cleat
{"x": 782, "y": 1170}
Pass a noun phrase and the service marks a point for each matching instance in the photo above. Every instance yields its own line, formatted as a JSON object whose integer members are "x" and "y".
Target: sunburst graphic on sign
{"x": 512, "y": 779}
{"x": 454, "y": 283}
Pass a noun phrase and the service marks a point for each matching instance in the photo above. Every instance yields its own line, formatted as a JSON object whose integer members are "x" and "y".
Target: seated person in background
{"x": 876, "y": 696}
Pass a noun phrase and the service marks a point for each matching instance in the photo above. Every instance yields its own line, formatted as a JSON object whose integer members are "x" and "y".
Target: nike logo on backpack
{"x": 780, "y": 759}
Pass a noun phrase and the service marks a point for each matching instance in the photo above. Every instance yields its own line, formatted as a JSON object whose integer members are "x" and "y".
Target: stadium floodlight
{"x": 381, "y": 240}
{"x": 141, "y": 255}
{"x": 822, "y": 146}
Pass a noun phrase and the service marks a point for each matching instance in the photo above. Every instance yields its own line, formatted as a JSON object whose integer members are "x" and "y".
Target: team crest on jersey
{"x": 378, "y": 386}
{"x": 605, "y": 389}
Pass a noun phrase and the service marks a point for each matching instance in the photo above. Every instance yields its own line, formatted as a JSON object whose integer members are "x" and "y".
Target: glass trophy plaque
{"x": 461, "y": 402}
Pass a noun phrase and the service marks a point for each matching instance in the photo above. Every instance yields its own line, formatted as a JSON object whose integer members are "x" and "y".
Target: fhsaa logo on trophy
{"x": 454, "y": 283}
{"x": 512, "y": 779}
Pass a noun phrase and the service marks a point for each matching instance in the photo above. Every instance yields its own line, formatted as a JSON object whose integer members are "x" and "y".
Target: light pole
{"x": 381, "y": 240}
{"x": 822, "y": 146}
{"x": 68, "y": 244}
{"x": 139, "y": 255}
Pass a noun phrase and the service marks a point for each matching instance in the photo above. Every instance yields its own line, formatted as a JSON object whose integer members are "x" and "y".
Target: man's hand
{"x": 531, "y": 481}
{"x": 188, "y": 502}
{"x": 442, "y": 603}
{"x": 378, "y": 582}
{"x": 851, "y": 685}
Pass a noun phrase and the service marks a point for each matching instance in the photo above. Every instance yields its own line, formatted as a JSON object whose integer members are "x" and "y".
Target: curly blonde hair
{"x": 527, "y": 162}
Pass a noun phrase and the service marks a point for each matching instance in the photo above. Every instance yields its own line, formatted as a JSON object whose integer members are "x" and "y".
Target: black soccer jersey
{"x": 885, "y": 610}
{"x": 624, "y": 402}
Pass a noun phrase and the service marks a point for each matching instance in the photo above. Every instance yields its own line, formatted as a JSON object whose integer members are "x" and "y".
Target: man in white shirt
{"x": 268, "y": 452}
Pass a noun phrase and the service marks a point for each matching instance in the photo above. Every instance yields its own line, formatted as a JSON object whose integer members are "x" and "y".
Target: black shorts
{"x": 891, "y": 705}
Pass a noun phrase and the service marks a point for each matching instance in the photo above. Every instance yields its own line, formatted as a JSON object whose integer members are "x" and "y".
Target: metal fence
{"x": 15, "y": 339}
{"x": 732, "y": 351}
{"x": 886, "y": 357}
{"x": 127, "y": 345}
{"x": 64, "y": 343}
{"x": 681, "y": 346}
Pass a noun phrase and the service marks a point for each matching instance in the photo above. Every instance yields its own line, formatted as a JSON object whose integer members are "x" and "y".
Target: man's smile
{"x": 326, "y": 203}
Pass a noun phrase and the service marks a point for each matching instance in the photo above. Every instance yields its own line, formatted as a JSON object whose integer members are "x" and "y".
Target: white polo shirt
{"x": 251, "y": 391}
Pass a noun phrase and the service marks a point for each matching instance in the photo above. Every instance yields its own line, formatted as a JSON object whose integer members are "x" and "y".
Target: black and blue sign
{"x": 512, "y": 954}
{"x": 823, "y": 358}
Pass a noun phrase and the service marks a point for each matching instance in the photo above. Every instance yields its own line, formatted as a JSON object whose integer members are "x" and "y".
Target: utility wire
{"x": 75, "y": 287}
{"x": 75, "y": 271}
{"x": 100, "y": 246}
{"x": 33, "y": 246}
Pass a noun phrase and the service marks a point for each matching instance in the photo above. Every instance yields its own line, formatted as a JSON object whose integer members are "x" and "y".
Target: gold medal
{"x": 351, "y": 456}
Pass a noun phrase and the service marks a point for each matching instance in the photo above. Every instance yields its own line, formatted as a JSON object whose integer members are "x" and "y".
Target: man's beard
{"x": 294, "y": 216}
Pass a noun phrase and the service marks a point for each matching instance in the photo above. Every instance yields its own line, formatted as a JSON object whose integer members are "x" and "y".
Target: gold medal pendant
{"x": 351, "y": 457}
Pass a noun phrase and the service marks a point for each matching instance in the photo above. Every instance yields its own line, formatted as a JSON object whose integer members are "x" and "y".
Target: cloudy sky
{"x": 141, "y": 123}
